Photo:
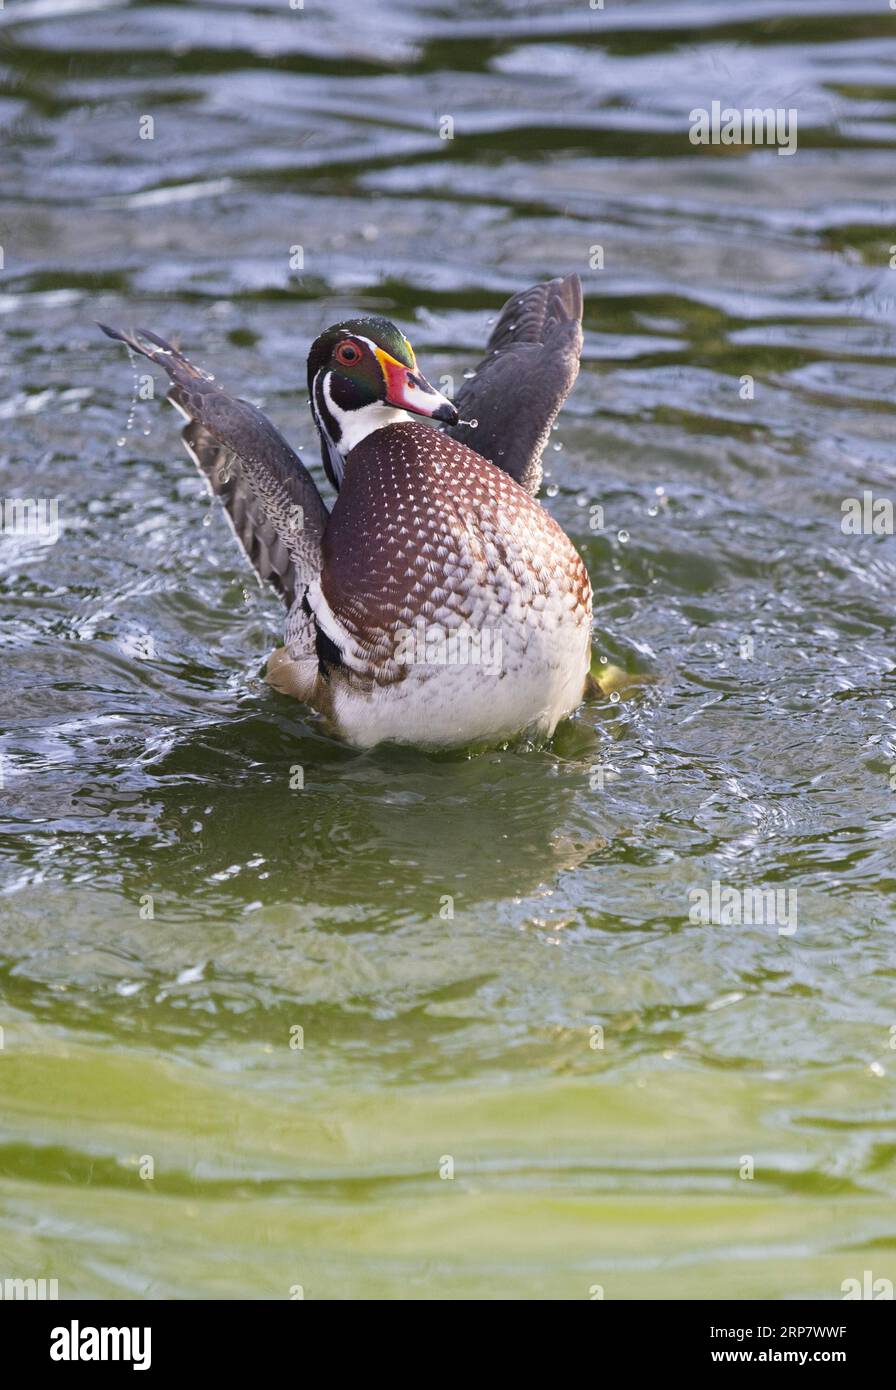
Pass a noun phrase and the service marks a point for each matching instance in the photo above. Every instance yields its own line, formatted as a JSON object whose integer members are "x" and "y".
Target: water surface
{"x": 176, "y": 914}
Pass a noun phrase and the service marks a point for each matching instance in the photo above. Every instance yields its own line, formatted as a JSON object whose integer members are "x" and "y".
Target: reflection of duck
{"x": 371, "y": 840}
{"x": 438, "y": 604}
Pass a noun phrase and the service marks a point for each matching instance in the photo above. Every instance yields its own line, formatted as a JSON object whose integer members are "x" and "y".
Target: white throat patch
{"x": 355, "y": 425}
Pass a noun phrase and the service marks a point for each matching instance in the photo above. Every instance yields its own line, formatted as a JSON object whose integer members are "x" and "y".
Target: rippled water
{"x": 147, "y": 767}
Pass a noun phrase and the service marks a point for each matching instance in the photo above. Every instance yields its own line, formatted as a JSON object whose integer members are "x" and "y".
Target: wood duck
{"x": 438, "y": 603}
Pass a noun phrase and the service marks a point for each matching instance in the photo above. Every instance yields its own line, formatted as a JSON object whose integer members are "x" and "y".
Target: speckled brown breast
{"x": 424, "y": 528}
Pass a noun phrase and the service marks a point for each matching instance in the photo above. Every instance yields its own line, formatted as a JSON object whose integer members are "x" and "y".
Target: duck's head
{"x": 362, "y": 375}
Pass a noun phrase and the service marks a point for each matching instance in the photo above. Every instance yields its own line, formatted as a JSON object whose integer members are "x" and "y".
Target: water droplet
{"x": 552, "y": 490}
{"x": 121, "y": 443}
{"x": 623, "y": 538}
{"x": 582, "y": 499}
{"x": 653, "y": 511}
{"x": 468, "y": 376}
{"x": 614, "y": 697}
{"x": 659, "y": 491}
{"x": 603, "y": 661}
{"x": 557, "y": 448}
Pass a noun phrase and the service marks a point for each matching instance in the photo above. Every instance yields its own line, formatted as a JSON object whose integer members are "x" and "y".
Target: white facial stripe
{"x": 337, "y": 463}
{"x": 355, "y": 425}
{"x": 374, "y": 347}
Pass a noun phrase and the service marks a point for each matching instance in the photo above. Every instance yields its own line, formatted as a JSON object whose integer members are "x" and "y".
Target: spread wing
{"x": 268, "y": 495}
{"x": 530, "y": 365}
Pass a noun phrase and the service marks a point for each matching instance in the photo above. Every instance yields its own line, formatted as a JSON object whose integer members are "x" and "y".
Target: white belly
{"x": 514, "y": 680}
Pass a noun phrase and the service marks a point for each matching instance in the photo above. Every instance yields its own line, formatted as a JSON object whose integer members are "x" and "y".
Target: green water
{"x": 177, "y": 916}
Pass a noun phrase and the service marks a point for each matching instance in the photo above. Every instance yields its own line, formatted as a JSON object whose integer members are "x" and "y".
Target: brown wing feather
{"x": 258, "y": 538}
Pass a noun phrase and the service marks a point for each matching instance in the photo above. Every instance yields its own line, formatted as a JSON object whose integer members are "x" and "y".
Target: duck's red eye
{"x": 348, "y": 354}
